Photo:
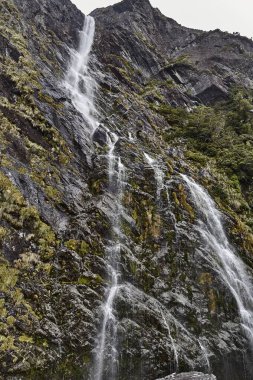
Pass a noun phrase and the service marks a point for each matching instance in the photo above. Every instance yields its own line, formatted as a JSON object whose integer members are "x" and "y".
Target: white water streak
{"x": 159, "y": 175}
{"x": 107, "y": 339}
{"x": 78, "y": 81}
{"x": 109, "y": 323}
{"x": 111, "y": 142}
{"x": 171, "y": 339}
{"x": 205, "y": 355}
{"x": 230, "y": 267}
{"x": 81, "y": 87}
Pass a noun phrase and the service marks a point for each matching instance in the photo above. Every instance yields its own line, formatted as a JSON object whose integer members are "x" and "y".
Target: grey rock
{"x": 100, "y": 136}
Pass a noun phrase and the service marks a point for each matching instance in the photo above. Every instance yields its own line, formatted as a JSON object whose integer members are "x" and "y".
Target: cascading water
{"x": 112, "y": 140}
{"x": 205, "y": 355}
{"x": 224, "y": 260}
{"x": 81, "y": 87}
{"x": 107, "y": 339}
{"x": 78, "y": 81}
{"x": 171, "y": 339}
{"x": 159, "y": 175}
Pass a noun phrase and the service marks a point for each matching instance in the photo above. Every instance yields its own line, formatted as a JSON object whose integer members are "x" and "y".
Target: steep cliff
{"x": 103, "y": 242}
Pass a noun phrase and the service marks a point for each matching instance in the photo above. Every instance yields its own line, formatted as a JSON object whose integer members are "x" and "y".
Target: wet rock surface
{"x": 174, "y": 312}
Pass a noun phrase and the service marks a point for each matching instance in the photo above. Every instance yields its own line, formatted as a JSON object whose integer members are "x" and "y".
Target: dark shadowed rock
{"x": 100, "y": 136}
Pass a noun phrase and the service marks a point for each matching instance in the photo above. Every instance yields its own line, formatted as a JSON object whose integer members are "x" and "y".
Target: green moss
{"x": 3, "y": 233}
{"x": 7, "y": 343}
{"x": 205, "y": 279}
{"x": 96, "y": 186}
{"x": 17, "y": 213}
{"x": 197, "y": 157}
{"x": 46, "y": 240}
{"x": 29, "y": 214}
{"x": 135, "y": 215}
{"x": 176, "y": 200}
{"x": 25, "y": 75}
{"x": 154, "y": 89}
{"x": 84, "y": 281}
{"x": 25, "y": 339}
{"x": 93, "y": 281}
{"x": 79, "y": 246}
{"x": 8, "y": 277}
{"x": 183, "y": 59}
{"x": 84, "y": 248}
{"x": 3, "y": 311}
{"x": 10, "y": 320}
{"x": 124, "y": 63}
{"x": 133, "y": 267}
{"x": 182, "y": 198}
{"x": 53, "y": 193}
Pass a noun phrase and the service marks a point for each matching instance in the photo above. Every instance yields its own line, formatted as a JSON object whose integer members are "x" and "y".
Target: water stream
{"x": 205, "y": 355}
{"x": 78, "y": 80}
{"x": 106, "y": 350}
{"x": 159, "y": 175}
{"x": 229, "y": 266}
{"x": 166, "y": 323}
{"x": 81, "y": 86}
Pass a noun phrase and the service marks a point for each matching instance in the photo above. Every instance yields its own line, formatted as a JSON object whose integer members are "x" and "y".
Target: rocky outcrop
{"x": 174, "y": 312}
{"x": 203, "y": 64}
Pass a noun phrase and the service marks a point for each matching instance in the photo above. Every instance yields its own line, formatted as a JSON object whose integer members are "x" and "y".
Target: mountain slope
{"x": 204, "y": 64}
{"x": 179, "y": 101}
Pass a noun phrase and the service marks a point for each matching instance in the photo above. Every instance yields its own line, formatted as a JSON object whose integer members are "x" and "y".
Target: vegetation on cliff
{"x": 190, "y": 114}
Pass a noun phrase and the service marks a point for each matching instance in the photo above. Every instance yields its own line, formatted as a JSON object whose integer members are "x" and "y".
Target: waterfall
{"x": 171, "y": 338}
{"x": 107, "y": 338}
{"x": 225, "y": 261}
{"x": 205, "y": 355}
{"x": 159, "y": 175}
{"x": 78, "y": 81}
{"x": 130, "y": 137}
{"x": 111, "y": 142}
{"x": 81, "y": 87}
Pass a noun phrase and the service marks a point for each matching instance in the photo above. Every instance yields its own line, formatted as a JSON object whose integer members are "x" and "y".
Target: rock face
{"x": 173, "y": 311}
{"x": 202, "y": 64}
